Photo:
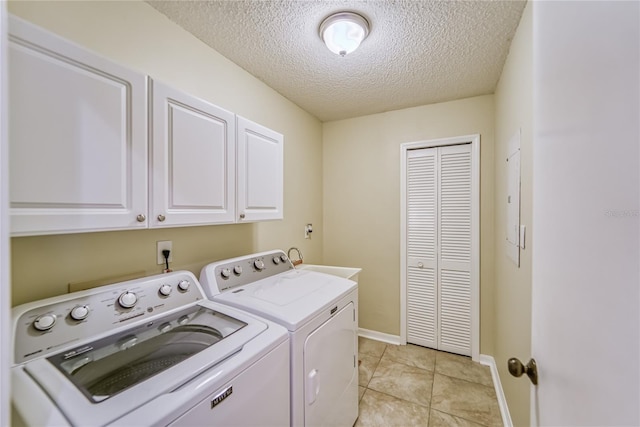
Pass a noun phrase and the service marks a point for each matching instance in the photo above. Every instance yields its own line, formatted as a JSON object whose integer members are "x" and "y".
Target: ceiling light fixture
{"x": 343, "y": 32}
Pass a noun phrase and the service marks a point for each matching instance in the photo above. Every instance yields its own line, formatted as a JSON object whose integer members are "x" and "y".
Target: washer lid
{"x": 290, "y": 298}
{"x": 91, "y": 400}
{"x": 103, "y": 368}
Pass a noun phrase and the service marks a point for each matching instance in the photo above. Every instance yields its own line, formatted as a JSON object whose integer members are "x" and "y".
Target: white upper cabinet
{"x": 81, "y": 158}
{"x": 260, "y": 183}
{"x": 193, "y": 163}
{"x": 78, "y": 137}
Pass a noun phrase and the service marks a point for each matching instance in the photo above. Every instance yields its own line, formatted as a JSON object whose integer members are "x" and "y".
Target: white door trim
{"x": 6, "y": 351}
{"x": 474, "y": 140}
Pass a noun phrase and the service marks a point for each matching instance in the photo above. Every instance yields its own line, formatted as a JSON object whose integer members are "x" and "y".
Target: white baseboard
{"x": 502, "y": 401}
{"x": 379, "y": 336}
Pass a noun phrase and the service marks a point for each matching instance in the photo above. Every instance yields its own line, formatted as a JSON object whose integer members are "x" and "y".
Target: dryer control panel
{"x": 228, "y": 274}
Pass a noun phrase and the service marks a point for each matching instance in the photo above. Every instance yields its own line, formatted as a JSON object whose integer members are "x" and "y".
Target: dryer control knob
{"x": 225, "y": 273}
{"x": 45, "y": 322}
{"x": 184, "y": 285}
{"x": 276, "y": 260}
{"x": 284, "y": 258}
{"x": 79, "y": 312}
{"x": 165, "y": 290}
{"x": 127, "y": 299}
{"x": 237, "y": 270}
{"x": 258, "y": 264}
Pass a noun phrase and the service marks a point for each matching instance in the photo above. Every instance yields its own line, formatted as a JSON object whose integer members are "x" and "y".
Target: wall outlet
{"x": 165, "y": 244}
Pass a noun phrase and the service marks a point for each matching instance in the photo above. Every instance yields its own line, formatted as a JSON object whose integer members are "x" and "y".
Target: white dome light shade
{"x": 343, "y": 32}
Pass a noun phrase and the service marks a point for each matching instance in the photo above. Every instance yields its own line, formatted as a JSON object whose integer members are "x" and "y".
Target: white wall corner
{"x": 502, "y": 401}
{"x": 379, "y": 336}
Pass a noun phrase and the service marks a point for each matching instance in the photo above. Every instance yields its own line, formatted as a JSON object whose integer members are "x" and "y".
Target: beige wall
{"x": 362, "y": 200}
{"x": 134, "y": 34}
{"x": 514, "y": 110}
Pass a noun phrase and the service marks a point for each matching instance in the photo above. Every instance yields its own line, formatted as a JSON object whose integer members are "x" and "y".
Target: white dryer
{"x": 321, "y": 313}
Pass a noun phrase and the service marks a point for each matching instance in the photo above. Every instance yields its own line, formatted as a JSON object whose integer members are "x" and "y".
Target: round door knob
{"x": 276, "y": 260}
{"x": 516, "y": 368}
{"x": 165, "y": 290}
{"x": 141, "y": 218}
{"x": 237, "y": 270}
{"x": 45, "y": 322}
{"x": 79, "y": 312}
{"x": 161, "y": 218}
{"x": 420, "y": 265}
{"x": 242, "y": 216}
{"x": 225, "y": 273}
{"x": 127, "y": 299}
{"x": 258, "y": 264}
{"x": 184, "y": 285}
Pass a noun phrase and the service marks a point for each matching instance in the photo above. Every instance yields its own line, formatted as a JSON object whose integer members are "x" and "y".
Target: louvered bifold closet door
{"x": 454, "y": 266}
{"x": 422, "y": 218}
{"x": 439, "y": 248}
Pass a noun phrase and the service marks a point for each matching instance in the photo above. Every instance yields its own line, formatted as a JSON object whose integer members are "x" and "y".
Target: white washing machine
{"x": 320, "y": 312}
{"x": 145, "y": 352}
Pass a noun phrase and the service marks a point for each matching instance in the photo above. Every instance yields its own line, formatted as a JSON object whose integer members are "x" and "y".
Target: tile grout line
{"x": 428, "y": 406}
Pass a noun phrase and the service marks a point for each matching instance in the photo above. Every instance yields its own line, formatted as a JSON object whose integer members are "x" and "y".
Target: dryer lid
{"x": 291, "y": 298}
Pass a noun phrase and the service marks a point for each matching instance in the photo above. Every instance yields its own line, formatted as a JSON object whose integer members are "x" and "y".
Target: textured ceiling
{"x": 418, "y": 52}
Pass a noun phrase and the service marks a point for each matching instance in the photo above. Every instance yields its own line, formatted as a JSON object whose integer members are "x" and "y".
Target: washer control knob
{"x": 183, "y": 320}
{"x": 127, "y": 342}
{"x": 258, "y": 264}
{"x": 165, "y": 327}
{"x": 79, "y": 312}
{"x": 276, "y": 260}
{"x": 184, "y": 285}
{"x": 237, "y": 270}
{"x": 284, "y": 258}
{"x": 225, "y": 273}
{"x": 45, "y": 322}
{"x": 127, "y": 299}
{"x": 165, "y": 290}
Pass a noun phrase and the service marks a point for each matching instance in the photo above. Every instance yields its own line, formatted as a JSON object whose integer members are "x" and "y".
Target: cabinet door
{"x": 78, "y": 137}
{"x": 260, "y": 172}
{"x": 193, "y": 160}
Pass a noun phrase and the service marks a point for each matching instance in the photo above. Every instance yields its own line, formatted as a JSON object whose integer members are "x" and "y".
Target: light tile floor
{"x": 407, "y": 386}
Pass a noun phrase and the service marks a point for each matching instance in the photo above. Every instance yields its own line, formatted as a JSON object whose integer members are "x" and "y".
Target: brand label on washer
{"x": 222, "y": 396}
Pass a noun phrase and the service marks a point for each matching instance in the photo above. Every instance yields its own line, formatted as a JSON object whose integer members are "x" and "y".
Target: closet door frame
{"x": 474, "y": 140}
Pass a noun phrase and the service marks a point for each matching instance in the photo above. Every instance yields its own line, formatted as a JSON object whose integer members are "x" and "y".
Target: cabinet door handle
{"x": 141, "y": 218}
{"x": 161, "y": 218}
{"x": 241, "y": 216}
